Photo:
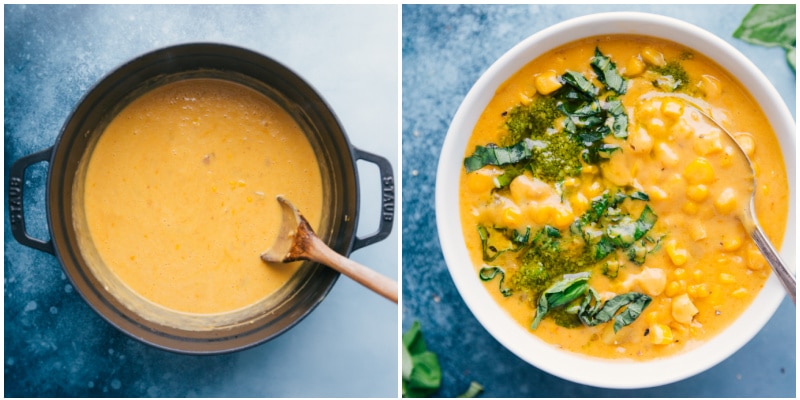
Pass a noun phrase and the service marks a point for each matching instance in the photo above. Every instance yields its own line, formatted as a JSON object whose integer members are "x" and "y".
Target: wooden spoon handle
{"x": 321, "y": 253}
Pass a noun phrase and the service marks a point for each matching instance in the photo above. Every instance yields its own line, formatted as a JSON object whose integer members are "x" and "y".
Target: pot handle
{"x": 387, "y": 199}
{"x": 16, "y": 184}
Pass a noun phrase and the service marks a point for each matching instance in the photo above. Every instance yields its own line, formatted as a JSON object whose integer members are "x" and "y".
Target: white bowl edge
{"x": 575, "y": 367}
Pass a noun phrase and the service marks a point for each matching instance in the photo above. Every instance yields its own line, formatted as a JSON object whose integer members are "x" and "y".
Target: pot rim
{"x": 177, "y": 340}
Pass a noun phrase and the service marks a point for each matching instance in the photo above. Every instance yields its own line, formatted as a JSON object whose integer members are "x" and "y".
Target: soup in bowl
{"x": 595, "y": 233}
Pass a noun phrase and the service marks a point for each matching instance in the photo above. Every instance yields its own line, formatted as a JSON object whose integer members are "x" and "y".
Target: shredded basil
{"x": 607, "y": 73}
{"x": 488, "y": 273}
{"x": 591, "y": 311}
{"x": 492, "y": 154}
{"x": 570, "y": 288}
{"x": 594, "y": 312}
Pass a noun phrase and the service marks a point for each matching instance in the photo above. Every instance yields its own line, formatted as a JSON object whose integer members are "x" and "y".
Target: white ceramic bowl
{"x": 571, "y": 366}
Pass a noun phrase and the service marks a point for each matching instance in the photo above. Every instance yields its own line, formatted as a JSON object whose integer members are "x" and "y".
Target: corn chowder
{"x": 600, "y": 207}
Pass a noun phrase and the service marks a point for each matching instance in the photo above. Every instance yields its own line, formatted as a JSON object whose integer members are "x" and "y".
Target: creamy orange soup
{"x": 645, "y": 214}
{"x": 179, "y": 194}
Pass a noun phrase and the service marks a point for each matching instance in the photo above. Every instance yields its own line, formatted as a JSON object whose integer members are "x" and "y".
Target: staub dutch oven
{"x": 336, "y": 156}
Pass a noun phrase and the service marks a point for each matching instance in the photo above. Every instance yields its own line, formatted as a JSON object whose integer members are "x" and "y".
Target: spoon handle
{"x": 784, "y": 274}
{"x": 374, "y": 281}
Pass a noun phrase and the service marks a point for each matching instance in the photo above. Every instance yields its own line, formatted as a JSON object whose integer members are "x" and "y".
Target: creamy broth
{"x": 697, "y": 266}
{"x": 179, "y": 194}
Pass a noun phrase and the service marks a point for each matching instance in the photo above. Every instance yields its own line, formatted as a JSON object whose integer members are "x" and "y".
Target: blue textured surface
{"x": 54, "y": 344}
{"x": 445, "y": 50}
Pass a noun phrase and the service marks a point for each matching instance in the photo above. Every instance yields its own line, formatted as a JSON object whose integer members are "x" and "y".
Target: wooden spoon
{"x": 297, "y": 241}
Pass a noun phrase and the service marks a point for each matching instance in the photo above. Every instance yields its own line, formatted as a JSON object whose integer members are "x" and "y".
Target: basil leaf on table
{"x": 473, "y": 390}
{"x": 422, "y": 374}
{"x": 771, "y": 25}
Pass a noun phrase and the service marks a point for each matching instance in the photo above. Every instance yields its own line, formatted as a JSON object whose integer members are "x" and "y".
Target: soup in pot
{"x": 600, "y": 207}
{"x": 179, "y": 195}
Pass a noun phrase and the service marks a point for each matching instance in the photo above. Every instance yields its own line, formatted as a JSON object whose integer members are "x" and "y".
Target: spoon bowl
{"x": 747, "y": 213}
{"x": 297, "y": 241}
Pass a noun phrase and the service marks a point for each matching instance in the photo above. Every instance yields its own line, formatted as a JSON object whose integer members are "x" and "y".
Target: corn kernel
{"x": 562, "y": 218}
{"x": 579, "y": 203}
{"x": 732, "y": 242}
{"x": 697, "y": 274}
{"x": 572, "y": 182}
{"x": 547, "y": 82}
{"x": 594, "y": 190}
{"x": 524, "y": 99}
{"x": 682, "y": 130}
{"x": 640, "y": 141}
{"x": 708, "y": 142}
{"x": 726, "y": 158}
{"x": 697, "y": 192}
{"x": 755, "y": 260}
{"x": 656, "y": 127}
{"x": 697, "y": 231}
{"x": 666, "y": 155}
{"x": 679, "y": 273}
{"x": 672, "y": 109}
{"x": 725, "y": 277}
{"x": 677, "y": 255}
{"x": 690, "y": 208}
{"x": 653, "y": 57}
{"x": 699, "y": 291}
{"x": 699, "y": 170}
{"x": 746, "y": 142}
{"x": 512, "y": 215}
{"x": 710, "y": 86}
{"x": 726, "y": 201}
{"x": 739, "y": 293}
{"x": 683, "y": 309}
{"x": 647, "y": 110}
{"x": 656, "y": 193}
{"x": 661, "y": 334}
{"x": 633, "y": 67}
{"x": 589, "y": 169}
{"x": 673, "y": 289}
{"x": 540, "y": 213}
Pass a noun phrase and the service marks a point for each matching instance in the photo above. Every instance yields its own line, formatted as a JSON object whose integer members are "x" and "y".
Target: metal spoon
{"x": 748, "y": 214}
{"x": 297, "y": 241}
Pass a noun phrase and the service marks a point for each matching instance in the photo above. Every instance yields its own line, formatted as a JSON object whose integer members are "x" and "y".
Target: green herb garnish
{"x": 488, "y": 273}
{"x": 771, "y": 25}
{"x": 473, "y": 390}
{"x": 422, "y": 374}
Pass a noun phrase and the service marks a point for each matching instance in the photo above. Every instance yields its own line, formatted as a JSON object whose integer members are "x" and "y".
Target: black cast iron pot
{"x": 336, "y": 156}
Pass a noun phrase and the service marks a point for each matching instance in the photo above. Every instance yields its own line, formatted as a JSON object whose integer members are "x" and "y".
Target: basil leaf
{"x": 619, "y": 125}
{"x": 593, "y": 313}
{"x": 638, "y": 195}
{"x": 571, "y": 287}
{"x": 577, "y": 81}
{"x": 647, "y": 219}
{"x": 771, "y": 25}
{"x": 488, "y": 273}
{"x": 607, "y": 73}
{"x": 483, "y": 233}
{"x": 638, "y": 302}
{"x": 492, "y": 154}
{"x": 473, "y": 390}
{"x": 421, "y": 374}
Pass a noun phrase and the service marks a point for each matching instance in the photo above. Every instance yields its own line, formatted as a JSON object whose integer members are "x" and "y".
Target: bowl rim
{"x": 572, "y": 366}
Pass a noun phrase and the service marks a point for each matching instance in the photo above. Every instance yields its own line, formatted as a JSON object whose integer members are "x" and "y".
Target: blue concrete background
{"x": 54, "y": 344}
{"x": 445, "y": 49}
